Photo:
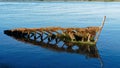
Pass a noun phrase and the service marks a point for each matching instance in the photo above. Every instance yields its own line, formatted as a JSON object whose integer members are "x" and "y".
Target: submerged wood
{"x": 88, "y": 35}
{"x": 58, "y": 39}
{"x": 75, "y": 35}
{"x": 56, "y": 44}
{"x": 59, "y": 45}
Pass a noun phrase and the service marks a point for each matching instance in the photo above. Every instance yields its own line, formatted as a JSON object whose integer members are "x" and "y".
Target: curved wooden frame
{"x": 88, "y": 35}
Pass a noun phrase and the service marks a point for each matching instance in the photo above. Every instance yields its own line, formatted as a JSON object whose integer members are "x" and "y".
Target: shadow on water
{"x": 4, "y": 65}
{"x": 89, "y": 51}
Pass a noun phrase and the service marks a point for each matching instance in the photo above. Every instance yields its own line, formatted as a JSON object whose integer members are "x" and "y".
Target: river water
{"x": 16, "y": 54}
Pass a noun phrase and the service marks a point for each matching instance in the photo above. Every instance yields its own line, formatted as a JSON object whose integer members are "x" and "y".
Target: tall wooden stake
{"x": 103, "y": 22}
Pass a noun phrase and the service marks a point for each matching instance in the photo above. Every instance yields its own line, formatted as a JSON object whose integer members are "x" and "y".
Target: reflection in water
{"x": 55, "y": 44}
{"x": 4, "y": 65}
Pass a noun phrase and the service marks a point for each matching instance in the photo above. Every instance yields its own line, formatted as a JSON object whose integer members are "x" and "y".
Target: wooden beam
{"x": 103, "y": 22}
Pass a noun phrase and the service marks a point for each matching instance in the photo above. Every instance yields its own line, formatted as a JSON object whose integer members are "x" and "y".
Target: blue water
{"x": 16, "y": 54}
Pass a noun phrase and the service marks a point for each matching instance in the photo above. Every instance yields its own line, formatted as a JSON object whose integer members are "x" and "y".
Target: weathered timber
{"x": 57, "y": 41}
{"x": 55, "y": 44}
{"x": 97, "y": 36}
{"x": 61, "y": 46}
{"x": 75, "y": 35}
{"x": 88, "y": 35}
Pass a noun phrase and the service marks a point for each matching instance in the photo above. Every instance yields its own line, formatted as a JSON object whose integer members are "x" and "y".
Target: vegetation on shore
{"x": 57, "y": 0}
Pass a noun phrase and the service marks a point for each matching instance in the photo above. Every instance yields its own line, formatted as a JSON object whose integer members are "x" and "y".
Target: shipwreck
{"x": 88, "y": 35}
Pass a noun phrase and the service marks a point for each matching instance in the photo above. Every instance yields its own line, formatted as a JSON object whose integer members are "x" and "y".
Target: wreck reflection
{"x": 89, "y": 51}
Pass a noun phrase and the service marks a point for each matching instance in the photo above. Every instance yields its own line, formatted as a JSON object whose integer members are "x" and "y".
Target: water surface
{"x": 16, "y": 54}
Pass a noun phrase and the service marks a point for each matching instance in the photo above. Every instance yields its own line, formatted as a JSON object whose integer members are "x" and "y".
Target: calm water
{"x": 16, "y": 54}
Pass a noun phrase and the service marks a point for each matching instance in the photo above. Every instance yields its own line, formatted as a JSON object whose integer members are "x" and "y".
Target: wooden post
{"x": 34, "y": 35}
{"x": 103, "y": 22}
{"x": 28, "y": 35}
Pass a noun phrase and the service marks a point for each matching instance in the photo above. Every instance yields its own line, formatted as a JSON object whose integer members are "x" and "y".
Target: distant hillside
{"x": 56, "y": 0}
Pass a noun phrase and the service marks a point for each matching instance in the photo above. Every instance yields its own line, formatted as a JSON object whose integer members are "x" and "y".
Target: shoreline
{"x": 55, "y": 1}
{"x": 63, "y": 1}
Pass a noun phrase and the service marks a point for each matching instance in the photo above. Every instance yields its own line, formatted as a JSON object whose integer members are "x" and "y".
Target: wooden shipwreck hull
{"x": 88, "y": 35}
{"x": 62, "y": 39}
{"x": 60, "y": 46}
{"x": 75, "y": 35}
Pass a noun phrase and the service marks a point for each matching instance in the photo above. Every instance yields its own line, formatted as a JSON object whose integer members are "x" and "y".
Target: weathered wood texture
{"x": 76, "y": 35}
{"x": 58, "y": 45}
{"x": 88, "y": 35}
